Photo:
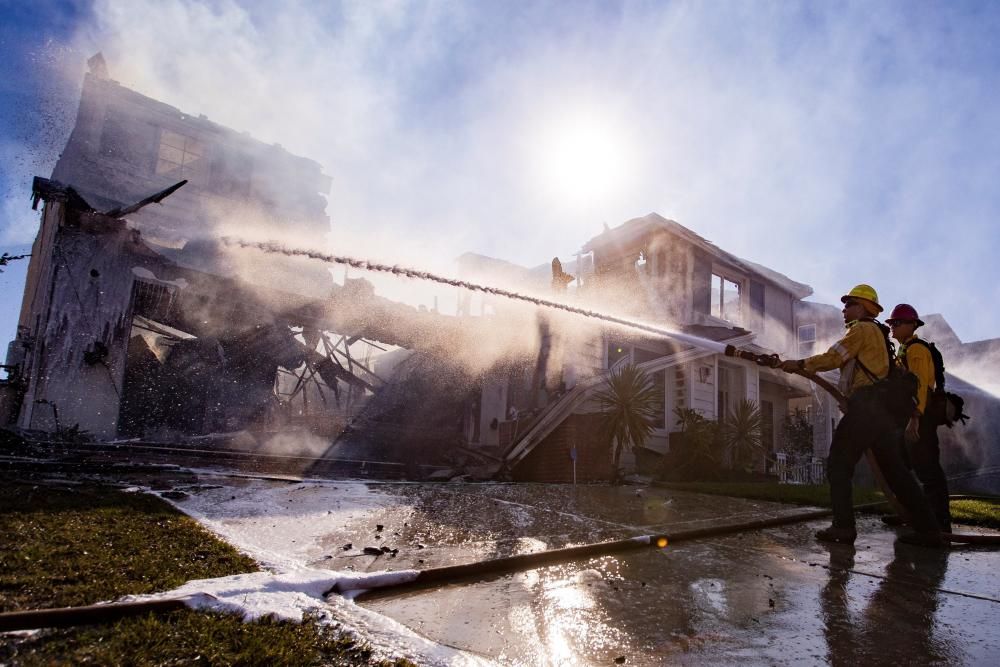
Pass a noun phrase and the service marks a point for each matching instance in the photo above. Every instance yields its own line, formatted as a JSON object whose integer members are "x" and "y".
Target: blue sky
{"x": 835, "y": 142}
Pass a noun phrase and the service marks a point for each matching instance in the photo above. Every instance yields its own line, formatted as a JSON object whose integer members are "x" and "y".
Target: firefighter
{"x": 924, "y": 455}
{"x": 862, "y": 356}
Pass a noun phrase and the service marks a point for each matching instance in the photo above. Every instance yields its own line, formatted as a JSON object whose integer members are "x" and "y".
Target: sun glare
{"x": 583, "y": 158}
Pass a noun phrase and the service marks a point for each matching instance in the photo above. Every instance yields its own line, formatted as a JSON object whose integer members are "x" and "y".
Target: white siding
{"x": 752, "y": 375}
{"x": 702, "y": 395}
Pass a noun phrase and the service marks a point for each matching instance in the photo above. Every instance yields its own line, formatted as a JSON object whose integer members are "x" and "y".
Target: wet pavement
{"x": 765, "y": 597}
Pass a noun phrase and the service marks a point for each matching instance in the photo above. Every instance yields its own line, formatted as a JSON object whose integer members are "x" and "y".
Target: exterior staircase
{"x": 555, "y": 413}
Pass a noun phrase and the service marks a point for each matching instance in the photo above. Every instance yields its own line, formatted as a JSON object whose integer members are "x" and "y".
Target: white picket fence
{"x": 812, "y": 472}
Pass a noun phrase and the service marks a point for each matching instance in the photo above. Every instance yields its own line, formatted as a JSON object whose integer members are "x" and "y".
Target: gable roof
{"x": 636, "y": 229}
{"x": 937, "y": 329}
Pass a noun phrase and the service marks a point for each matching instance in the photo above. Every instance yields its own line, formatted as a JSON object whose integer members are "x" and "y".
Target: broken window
{"x": 152, "y": 300}
{"x": 807, "y": 340}
{"x": 640, "y": 264}
{"x": 725, "y": 298}
{"x": 179, "y": 155}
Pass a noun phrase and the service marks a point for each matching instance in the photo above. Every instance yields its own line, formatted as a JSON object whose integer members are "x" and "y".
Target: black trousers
{"x": 867, "y": 424}
{"x": 925, "y": 457}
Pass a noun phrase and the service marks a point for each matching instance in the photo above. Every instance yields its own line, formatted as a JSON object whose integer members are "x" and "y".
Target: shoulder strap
{"x": 888, "y": 350}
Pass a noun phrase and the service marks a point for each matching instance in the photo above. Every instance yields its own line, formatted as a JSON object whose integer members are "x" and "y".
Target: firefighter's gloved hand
{"x": 791, "y": 365}
{"x": 912, "y": 433}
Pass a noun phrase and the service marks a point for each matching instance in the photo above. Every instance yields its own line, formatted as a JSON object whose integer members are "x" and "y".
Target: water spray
{"x": 396, "y": 270}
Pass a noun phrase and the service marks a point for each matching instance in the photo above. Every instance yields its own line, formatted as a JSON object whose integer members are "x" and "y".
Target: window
{"x": 807, "y": 340}
{"x": 616, "y": 352}
{"x": 152, "y": 300}
{"x": 179, "y": 156}
{"x": 725, "y": 298}
{"x": 640, "y": 264}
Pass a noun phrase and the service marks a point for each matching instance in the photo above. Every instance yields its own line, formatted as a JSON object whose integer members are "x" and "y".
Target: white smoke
{"x": 432, "y": 119}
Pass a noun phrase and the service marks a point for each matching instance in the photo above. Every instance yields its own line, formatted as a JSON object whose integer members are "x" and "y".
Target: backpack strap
{"x": 888, "y": 349}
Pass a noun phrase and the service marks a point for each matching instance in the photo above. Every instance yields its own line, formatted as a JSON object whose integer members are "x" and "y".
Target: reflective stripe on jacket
{"x": 918, "y": 360}
{"x": 865, "y": 341}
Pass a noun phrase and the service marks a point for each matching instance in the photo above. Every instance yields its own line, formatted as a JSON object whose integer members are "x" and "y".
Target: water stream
{"x": 365, "y": 265}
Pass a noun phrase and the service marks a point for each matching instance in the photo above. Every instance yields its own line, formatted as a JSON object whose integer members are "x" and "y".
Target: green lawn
{"x": 977, "y": 512}
{"x": 77, "y": 545}
{"x": 973, "y": 512}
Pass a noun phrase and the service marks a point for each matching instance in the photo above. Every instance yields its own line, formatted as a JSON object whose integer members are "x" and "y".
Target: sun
{"x": 582, "y": 157}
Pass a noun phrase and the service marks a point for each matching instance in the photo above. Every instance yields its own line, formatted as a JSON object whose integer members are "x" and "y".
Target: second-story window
{"x": 807, "y": 340}
{"x": 725, "y": 298}
{"x": 179, "y": 155}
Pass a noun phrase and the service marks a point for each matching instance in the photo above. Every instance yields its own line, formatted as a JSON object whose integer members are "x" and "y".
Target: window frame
{"x": 189, "y": 158}
{"x": 800, "y": 341}
{"x": 725, "y": 277}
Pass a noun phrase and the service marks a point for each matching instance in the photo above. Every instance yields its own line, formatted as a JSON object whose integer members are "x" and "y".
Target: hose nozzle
{"x": 766, "y": 360}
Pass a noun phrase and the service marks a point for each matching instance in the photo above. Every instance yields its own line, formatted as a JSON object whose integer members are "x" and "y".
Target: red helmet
{"x": 904, "y": 312}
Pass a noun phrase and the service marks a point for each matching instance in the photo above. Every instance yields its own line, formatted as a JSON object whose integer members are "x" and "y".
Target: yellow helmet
{"x": 866, "y": 293}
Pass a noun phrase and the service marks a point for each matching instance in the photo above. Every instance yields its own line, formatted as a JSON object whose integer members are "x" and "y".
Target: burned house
{"x": 125, "y": 145}
{"x": 139, "y": 321}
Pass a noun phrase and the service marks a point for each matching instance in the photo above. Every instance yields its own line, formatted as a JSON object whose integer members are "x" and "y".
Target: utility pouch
{"x": 945, "y": 408}
{"x": 897, "y": 391}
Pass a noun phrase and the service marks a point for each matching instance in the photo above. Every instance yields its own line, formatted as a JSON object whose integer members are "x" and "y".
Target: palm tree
{"x": 701, "y": 441}
{"x": 741, "y": 431}
{"x": 632, "y": 404}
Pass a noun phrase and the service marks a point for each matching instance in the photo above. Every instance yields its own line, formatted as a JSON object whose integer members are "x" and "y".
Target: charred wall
{"x": 76, "y": 320}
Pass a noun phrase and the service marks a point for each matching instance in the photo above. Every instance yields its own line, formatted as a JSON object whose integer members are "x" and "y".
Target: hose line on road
{"x": 499, "y": 566}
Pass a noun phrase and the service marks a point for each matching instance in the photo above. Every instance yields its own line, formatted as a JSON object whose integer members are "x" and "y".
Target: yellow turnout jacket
{"x": 919, "y": 362}
{"x": 864, "y": 341}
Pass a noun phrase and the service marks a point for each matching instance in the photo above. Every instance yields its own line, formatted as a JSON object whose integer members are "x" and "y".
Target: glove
{"x": 791, "y": 365}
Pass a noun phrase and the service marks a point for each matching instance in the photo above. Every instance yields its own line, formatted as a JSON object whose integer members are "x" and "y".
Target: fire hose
{"x": 773, "y": 361}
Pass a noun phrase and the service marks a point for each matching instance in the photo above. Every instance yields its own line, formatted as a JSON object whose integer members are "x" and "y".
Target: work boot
{"x": 892, "y": 520}
{"x": 924, "y": 539}
{"x": 837, "y": 535}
